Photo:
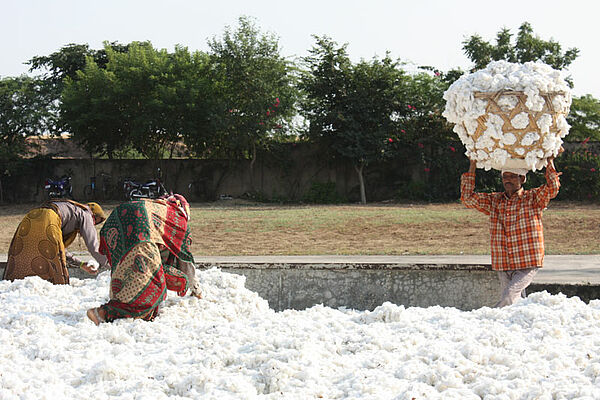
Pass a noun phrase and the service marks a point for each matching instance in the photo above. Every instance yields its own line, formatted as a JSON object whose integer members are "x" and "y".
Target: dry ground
{"x": 237, "y": 228}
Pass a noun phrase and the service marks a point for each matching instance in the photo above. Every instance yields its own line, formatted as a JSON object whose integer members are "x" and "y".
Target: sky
{"x": 424, "y": 32}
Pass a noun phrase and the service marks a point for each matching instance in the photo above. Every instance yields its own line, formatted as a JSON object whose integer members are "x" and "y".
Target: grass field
{"x": 236, "y": 228}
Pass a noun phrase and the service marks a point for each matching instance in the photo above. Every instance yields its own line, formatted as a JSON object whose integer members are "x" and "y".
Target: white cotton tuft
{"x": 520, "y": 121}
{"x": 509, "y": 138}
{"x": 529, "y": 138}
{"x": 544, "y": 123}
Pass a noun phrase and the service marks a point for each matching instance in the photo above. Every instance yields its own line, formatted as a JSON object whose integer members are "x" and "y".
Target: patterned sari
{"x": 131, "y": 238}
{"x": 38, "y": 246}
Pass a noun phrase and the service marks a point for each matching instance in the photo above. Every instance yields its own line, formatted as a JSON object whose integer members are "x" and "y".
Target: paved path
{"x": 564, "y": 269}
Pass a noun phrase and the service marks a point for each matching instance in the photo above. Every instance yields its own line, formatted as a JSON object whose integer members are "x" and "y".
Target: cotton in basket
{"x": 510, "y": 116}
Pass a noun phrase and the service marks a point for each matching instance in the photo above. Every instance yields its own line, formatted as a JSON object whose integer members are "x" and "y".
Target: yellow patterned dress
{"x": 38, "y": 247}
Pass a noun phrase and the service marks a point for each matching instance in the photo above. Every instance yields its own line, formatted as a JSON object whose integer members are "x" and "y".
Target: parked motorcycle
{"x": 60, "y": 188}
{"x": 152, "y": 189}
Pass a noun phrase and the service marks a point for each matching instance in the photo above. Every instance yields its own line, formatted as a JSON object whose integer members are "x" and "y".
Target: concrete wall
{"x": 288, "y": 177}
{"x": 364, "y": 287}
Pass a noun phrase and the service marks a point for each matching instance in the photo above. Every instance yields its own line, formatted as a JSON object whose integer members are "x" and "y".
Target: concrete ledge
{"x": 366, "y": 285}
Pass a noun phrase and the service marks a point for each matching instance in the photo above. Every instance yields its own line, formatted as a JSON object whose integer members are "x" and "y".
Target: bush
{"x": 580, "y": 179}
{"x": 413, "y": 190}
{"x": 323, "y": 193}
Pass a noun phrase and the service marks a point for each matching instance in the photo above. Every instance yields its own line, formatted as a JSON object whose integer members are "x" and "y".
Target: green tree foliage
{"x": 23, "y": 113}
{"x": 526, "y": 47}
{"x": 584, "y": 119}
{"x": 71, "y": 58}
{"x": 256, "y": 90}
{"x": 144, "y": 98}
{"x": 425, "y": 138}
{"x": 352, "y": 108}
{"x": 56, "y": 67}
{"x": 92, "y": 112}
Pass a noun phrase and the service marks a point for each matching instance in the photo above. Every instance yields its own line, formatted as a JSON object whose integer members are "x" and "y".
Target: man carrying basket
{"x": 511, "y": 117}
{"x": 516, "y": 231}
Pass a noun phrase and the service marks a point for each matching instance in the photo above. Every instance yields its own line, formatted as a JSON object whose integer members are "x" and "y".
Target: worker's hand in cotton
{"x": 91, "y": 267}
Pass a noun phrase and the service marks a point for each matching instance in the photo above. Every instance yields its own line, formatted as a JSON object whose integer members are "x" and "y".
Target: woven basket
{"x": 516, "y": 160}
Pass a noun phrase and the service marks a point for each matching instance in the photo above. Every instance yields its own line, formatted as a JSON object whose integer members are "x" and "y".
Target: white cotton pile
{"x": 490, "y": 150}
{"x": 230, "y": 345}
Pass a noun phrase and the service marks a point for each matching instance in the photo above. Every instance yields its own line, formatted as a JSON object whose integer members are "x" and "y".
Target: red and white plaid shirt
{"x": 517, "y": 235}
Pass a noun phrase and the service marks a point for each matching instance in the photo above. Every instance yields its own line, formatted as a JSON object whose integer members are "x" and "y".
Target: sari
{"x": 38, "y": 246}
{"x": 132, "y": 238}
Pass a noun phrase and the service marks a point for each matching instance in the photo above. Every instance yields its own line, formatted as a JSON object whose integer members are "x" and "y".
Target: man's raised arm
{"x": 478, "y": 201}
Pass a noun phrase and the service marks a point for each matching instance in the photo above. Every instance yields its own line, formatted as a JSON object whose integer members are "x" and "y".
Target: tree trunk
{"x": 252, "y": 167}
{"x": 361, "y": 180}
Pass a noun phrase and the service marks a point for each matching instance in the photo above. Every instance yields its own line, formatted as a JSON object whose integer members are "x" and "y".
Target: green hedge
{"x": 580, "y": 179}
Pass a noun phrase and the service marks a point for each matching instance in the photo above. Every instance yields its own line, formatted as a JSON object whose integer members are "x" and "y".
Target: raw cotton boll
{"x": 539, "y": 153}
{"x": 563, "y": 126}
{"x": 529, "y": 138}
{"x": 507, "y": 103}
{"x": 481, "y": 155}
{"x": 531, "y": 160}
{"x": 520, "y": 121}
{"x": 534, "y": 101}
{"x": 471, "y": 125}
{"x": 485, "y": 142}
{"x": 479, "y": 106}
{"x": 561, "y": 103}
{"x": 544, "y": 122}
{"x": 499, "y": 156}
{"x": 523, "y": 107}
{"x": 552, "y": 144}
{"x": 509, "y": 139}
{"x": 494, "y": 127}
{"x": 541, "y": 163}
{"x": 482, "y": 80}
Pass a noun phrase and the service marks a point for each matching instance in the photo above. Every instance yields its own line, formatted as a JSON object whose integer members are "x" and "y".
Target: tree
{"x": 23, "y": 113}
{"x": 144, "y": 98}
{"x": 61, "y": 65}
{"x": 527, "y": 47}
{"x": 255, "y": 88}
{"x": 584, "y": 118}
{"x": 92, "y": 110}
{"x": 352, "y": 109}
{"x": 425, "y": 138}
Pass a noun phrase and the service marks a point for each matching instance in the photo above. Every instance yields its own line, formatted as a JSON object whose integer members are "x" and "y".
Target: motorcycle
{"x": 152, "y": 189}
{"x": 60, "y": 188}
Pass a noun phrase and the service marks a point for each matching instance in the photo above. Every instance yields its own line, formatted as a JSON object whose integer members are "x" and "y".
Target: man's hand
{"x": 551, "y": 159}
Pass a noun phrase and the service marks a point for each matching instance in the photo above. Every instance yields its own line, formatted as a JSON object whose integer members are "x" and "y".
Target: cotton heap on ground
{"x": 510, "y": 115}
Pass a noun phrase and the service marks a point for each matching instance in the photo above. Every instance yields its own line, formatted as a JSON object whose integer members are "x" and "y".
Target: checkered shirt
{"x": 517, "y": 235}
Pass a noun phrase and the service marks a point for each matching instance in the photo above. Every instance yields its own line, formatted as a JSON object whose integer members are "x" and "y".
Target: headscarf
{"x": 180, "y": 202}
{"x": 97, "y": 211}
